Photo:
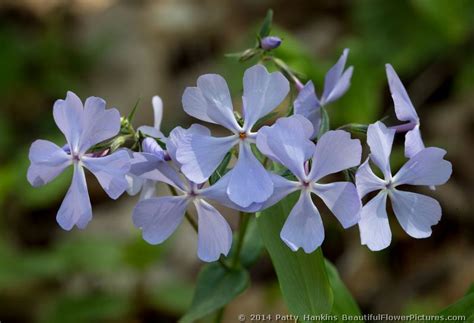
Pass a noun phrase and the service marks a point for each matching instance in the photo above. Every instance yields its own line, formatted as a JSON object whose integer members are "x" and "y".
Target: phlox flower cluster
{"x": 250, "y": 168}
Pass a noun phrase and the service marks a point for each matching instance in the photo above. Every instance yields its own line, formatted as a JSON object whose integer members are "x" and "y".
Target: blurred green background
{"x": 125, "y": 50}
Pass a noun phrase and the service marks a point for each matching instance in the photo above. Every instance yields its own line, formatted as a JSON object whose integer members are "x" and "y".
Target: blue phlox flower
{"x": 415, "y": 212}
{"x": 336, "y": 84}
{"x": 199, "y": 153}
{"x": 288, "y": 143}
{"x": 83, "y": 126}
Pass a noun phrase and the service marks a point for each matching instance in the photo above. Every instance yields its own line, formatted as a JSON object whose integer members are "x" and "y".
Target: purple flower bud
{"x": 270, "y": 42}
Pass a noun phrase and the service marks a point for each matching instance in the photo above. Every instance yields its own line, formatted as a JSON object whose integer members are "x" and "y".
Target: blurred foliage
{"x": 40, "y": 59}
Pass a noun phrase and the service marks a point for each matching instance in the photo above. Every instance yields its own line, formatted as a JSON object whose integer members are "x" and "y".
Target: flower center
{"x": 242, "y": 135}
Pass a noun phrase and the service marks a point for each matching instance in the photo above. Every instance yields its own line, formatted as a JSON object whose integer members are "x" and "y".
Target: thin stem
{"x": 220, "y": 314}
{"x": 243, "y": 224}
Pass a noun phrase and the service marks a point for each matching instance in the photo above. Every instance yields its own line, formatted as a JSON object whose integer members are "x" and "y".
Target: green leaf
{"x": 344, "y": 303}
{"x": 221, "y": 169}
{"x": 464, "y": 306}
{"x": 324, "y": 122}
{"x": 267, "y": 24}
{"x": 252, "y": 246}
{"x": 303, "y": 280}
{"x": 216, "y": 287}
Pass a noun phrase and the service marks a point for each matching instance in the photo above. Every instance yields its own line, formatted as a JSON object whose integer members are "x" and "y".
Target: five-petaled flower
{"x": 200, "y": 154}
{"x": 288, "y": 143}
{"x": 415, "y": 212}
{"x": 336, "y": 83}
{"x": 83, "y": 127}
{"x": 158, "y": 217}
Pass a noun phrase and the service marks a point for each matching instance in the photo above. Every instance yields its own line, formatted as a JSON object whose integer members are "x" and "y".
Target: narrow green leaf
{"x": 267, "y": 24}
{"x": 253, "y": 244}
{"x": 221, "y": 169}
{"x": 344, "y": 303}
{"x": 464, "y": 306}
{"x": 216, "y": 287}
{"x": 324, "y": 122}
{"x": 303, "y": 280}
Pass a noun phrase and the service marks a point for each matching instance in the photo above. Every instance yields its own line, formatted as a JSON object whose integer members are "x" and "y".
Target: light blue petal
{"x": 76, "y": 207}
{"x": 250, "y": 181}
{"x": 367, "y": 181}
{"x": 151, "y": 167}
{"x": 380, "y": 140}
{"x": 416, "y": 213}
{"x": 343, "y": 201}
{"x": 303, "y": 227}
{"x": 214, "y": 234}
{"x": 99, "y": 124}
{"x": 287, "y": 142}
{"x": 341, "y": 87}
{"x": 47, "y": 161}
{"x": 178, "y": 135}
{"x": 68, "y": 115}
{"x": 333, "y": 76}
{"x": 110, "y": 171}
{"x": 148, "y": 190}
{"x": 373, "y": 225}
{"x": 263, "y": 92}
{"x": 335, "y": 151}
{"x": 199, "y": 155}
{"x": 425, "y": 168}
{"x": 404, "y": 109}
{"x": 413, "y": 142}
{"x": 210, "y": 101}
{"x": 158, "y": 217}
{"x": 308, "y": 105}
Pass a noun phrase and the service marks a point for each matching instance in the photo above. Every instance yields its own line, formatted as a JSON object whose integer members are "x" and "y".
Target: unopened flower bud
{"x": 270, "y": 42}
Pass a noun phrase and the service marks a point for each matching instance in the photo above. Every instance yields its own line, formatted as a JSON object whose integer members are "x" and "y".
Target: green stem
{"x": 243, "y": 224}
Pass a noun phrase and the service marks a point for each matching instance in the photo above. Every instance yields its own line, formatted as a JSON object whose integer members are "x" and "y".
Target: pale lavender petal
{"x": 214, "y": 234}
{"x": 150, "y": 146}
{"x": 308, "y": 105}
{"x": 47, "y": 161}
{"x": 263, "y": 92}
{"x": 367, "y": 181}
{"x": 380, "y": 140}
{"x": 250, "y": 181}
{"x": 76, "y": 207}
{"x": 341, "y": 87}
{"x": 373, "y": 225}
{"x": 413, "y": 142}
{"x": 282, "y": 187}
{"x": 135, "y": 184}
{"x": 200, "y": 155}
{"x": 425, "y": 168}
{"x": 303, "y": 228}
{"x": 287, "y": 142}
{"x": 333, "y": 76}
{"x": 404, "y": 109}
{"x": 416, "y": 213}
{"x": 158, "y": 217}
{"x": 335, "y": 151}
{"x": 157, "y": 111}
{"x": 99, "y": 124}
{"x": 149, "y": 166}
{"x": 343, "y": 201}
{"x": 218, "y": 192}
{"x": 210, "y": 101}
{"x": 110, "y": 171}
{"x": 178, "y": 135}
{"x": 68, "y": 115}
